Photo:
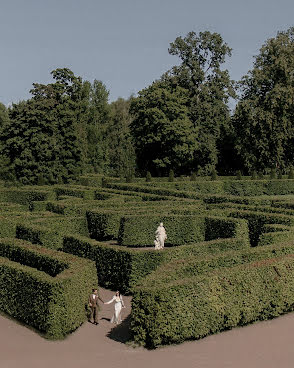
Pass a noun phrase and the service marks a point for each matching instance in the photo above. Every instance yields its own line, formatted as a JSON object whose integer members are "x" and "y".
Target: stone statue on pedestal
{"x": 160, "y": 237}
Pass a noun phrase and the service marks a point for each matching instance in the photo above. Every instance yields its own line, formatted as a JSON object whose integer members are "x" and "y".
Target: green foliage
{"x": 238, "y": 175}
{"x": 194, "y": 307}
{"x": 48, "y": 231}
{"x": 273, "y": 174}
{"x": 178, "y": 119}
{"x": 103, "y": 225}
{"x": 25, "y": 196}
{"x": 215, "y": 191}
{"x": 121, "y": 148}
{"x": 43, "y": 288}
{"x": 291, "y": 173}
{"x": 171, "y": 176}
{"x": 161, "y": 129}
{"x": 59, "y": 180}
{"x": 122, "y": 268}
{"x": 226, "y": 228}
{"x": 129, "y": 178}
{"x": 66, "y": 216}
{"x": 263, "y": 119}
{"x": 188, "y": 267}
{"x": 148, "y": 177}
{"x": 258, "y": 220}
{"x": 104, "y": 182}
{"x": 117, "y": 267}
{"x": 193, "y": 176}
{"x": 42, "y": 136}
{"x": 209, "y": 87}
{"x": 254, "y": 175}
{"x": 82, "y": 192}
{"x": 213, "y": 175}
{"x": 41, "y": 180}
{"x": 4, "y": 117}
{"x": 98, "y": 120}
{"x": 138, "y": 231}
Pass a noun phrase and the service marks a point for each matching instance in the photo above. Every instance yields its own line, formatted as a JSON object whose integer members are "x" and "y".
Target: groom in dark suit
{"x": 94, "y": 306}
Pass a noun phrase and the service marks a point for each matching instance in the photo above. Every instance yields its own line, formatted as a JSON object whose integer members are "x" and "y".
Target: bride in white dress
{"x": 119, "y": 304}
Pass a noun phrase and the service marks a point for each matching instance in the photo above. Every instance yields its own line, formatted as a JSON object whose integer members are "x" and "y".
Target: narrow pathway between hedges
{"x": 266, "y": 344}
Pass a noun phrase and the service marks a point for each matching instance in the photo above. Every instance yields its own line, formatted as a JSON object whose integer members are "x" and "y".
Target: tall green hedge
{"x": 219, "y": 187}
{"x": 122, "y": 268}
{"x": 26, "y": 196}
{"x": 197, "y": 264}
{"x": 75, "y": 191}
{"x": 257, "y": 221}
{"x": 139, "y": 230}
{"x": 103, "y": 225}
{"x": 218, "y": 227}
{"x": 49, "y": 231}
{"x": 117, "y": 267}
{"x": 196, "y": 307}
{"x": 45, "y": 289}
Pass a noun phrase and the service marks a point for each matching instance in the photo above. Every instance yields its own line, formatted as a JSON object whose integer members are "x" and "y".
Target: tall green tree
{"x": 6, "y": 172}
{"x": 121, "y": 148}
{"x": 209, "y": 86}
{"x": 264, "y": 117}
{"x": 98, "y": 122}
{"x": 4, "y": 117}
{"x": 192, "y": 102}
{"x": 42, "y": 137}
{"x": 163, "y": 133}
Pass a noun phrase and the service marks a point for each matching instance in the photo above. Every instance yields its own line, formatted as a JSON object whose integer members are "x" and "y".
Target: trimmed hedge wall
{"x": 117, "y": 267}
{"x": 273, "y": 208}
{"x": 233, "y": 187}
{"x": 187, "y": 267}
{"x": 218, "y": 227}
{"x": 207, "y": 198}
{"x": 228, "y": 187}
{"x": 7, "y": 227}
{"x": 73, "y": 191}
{"x": 26, "y": 196}
{"x": 103, "y": 225}
{"x": 139, "y": 230}
{"x": 200, "y": 187}
{"x": 122, "y": 268}
{"x": 258, "y": 220}
{"x": 23, "y": 252}
{"x": 181, "y": 268}
{"x": 39, "y": 235}
{"x": 49, "y": 231}
{"x": 28, "y": 292}
{"x": 206, "y": 304}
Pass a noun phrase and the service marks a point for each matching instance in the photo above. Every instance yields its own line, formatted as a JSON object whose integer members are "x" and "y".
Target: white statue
{"x": 160, "y": 237}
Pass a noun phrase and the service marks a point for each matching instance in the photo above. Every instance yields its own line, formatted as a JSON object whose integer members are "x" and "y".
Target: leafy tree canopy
{"x": 264, "y": 117}
{"x": 42, "y": 138}
{"x": 177, "y": 120}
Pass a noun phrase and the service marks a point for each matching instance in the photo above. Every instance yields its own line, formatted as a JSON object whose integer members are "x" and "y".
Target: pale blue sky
{"x": 123, "y": 42}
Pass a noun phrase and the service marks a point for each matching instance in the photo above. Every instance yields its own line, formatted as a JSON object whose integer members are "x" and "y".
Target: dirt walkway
{"x": 267, "y": 344}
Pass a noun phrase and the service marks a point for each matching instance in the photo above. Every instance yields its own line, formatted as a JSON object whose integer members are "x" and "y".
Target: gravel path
{"x": 262, "y": 345}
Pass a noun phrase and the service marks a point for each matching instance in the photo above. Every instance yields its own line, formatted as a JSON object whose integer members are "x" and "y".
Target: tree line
{"x": 181, "y": 122}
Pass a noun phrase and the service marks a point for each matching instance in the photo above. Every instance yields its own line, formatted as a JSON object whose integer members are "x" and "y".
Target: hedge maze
{"x": 228, "y": 260}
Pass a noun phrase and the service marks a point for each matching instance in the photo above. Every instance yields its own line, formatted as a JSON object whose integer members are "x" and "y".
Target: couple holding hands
{"x": 94, "y": 306}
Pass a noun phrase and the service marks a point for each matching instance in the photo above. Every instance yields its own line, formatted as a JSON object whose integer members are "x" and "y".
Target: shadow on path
{"x": 22, "y": 323}
{"x": 122, "y": 332}
{"x": 105, "y": 319}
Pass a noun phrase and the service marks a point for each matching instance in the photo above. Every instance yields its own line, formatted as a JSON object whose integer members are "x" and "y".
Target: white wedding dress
{"x": 116, "y": 318}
